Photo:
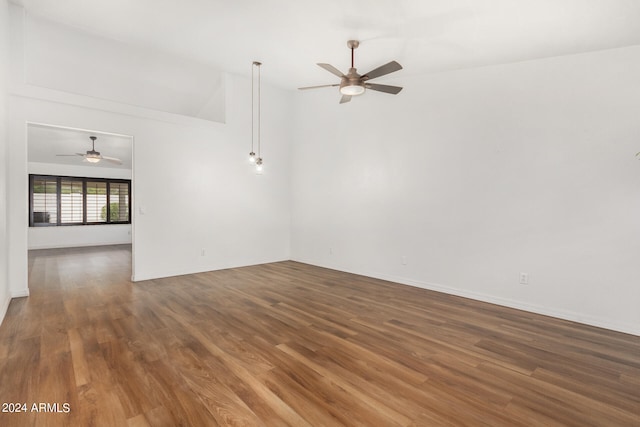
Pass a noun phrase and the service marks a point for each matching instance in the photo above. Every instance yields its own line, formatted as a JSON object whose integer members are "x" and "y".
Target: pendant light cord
{"x": 252, "y": 156}
{"x": 252, "y": 108}
{"x": 258, "y": 64}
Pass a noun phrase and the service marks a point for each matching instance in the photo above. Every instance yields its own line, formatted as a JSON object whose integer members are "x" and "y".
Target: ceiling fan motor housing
{"x": 93, "y": 156}
{"x": 351, "y": 83}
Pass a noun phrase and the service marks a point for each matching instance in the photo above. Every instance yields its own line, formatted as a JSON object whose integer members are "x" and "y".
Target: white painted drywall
{"x": 478, "y": 175}
{"x": 78, "y": 236}
{"x": 5, "y": 292}
{"x": 193, "y": 187}
{"x": 75, "y": 61}
{"x": 77, "y": 170}
{"x": 198, "y": 191}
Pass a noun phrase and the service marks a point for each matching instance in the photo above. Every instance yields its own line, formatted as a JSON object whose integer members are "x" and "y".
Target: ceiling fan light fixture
{"x": 93, "y": 156}
{"x": 352, "y": 89}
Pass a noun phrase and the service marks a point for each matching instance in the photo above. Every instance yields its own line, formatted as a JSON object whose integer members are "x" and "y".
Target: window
{"x": 62, "y": 200}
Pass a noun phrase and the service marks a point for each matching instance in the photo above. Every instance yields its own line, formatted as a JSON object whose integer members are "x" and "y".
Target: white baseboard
{"x": 79, "y": 245}
{"x": 159, "y": 274}
{"x": 19, "y": 293}
{"x": 505, "y": 302}
{"x": 4, "y": 308}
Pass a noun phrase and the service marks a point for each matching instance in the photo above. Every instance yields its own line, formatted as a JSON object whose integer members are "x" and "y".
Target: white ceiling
{"x": 45, "y": 142}
{"x": 290, "y": 36}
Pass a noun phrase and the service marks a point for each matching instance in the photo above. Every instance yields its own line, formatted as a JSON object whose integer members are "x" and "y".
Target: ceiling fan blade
{"x": 65, "y": 155}
{"x": 383, "y": 88}
{"x": 345, "y": 98}
{"x": 385, "y": 69}
{"x": 330, "y": 68}
{"x": 112, "y": 160}
{"x": 316, "y": 87}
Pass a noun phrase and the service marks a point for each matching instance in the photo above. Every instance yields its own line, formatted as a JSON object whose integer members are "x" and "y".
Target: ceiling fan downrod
{"x": 353, "y": 44}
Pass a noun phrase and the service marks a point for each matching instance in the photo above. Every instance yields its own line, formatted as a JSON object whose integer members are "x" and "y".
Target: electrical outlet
{"x": 203, "y": 252}
{"x": 524, "y": 278}
{"x": 330, "y": 251}
{"x": 403, "y": 260}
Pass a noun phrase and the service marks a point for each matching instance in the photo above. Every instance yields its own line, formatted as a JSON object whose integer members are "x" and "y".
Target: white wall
{"x": 477, "y": 175}
{"x": 198, "y": 191}
{"x": 77, "y": 170}
{"x": 5, "y": 293}
{"x": 78, "y": 62}
{"x": 71, "y": 237}
{"x": 67, "y": 237}
{"x": 191, "y": 177}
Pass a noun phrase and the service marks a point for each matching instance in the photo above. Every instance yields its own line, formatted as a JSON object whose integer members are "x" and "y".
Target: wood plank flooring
{"x": 288, "y": 344}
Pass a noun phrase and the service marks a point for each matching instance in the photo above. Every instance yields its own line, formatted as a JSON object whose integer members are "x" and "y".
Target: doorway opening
{"x": 80, "y": 194}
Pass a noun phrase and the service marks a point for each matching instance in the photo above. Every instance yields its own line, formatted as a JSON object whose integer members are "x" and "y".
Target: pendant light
{"x": 253, "y": 157}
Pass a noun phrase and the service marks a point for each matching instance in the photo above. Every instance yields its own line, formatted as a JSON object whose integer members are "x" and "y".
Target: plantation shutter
{"x": 44, "y": 200}
{"x": 71, "y": 209}
{"x": 96, "y": 201}
{"x": 119, "y": 201}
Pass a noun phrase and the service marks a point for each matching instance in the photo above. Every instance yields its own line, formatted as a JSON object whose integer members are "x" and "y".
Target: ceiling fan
{"x": 353, "y": 84}
{"x": 93, "y": 156}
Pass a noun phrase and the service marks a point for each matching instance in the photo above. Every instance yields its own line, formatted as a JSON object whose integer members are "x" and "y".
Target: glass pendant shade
{"x": 252, "y": 157}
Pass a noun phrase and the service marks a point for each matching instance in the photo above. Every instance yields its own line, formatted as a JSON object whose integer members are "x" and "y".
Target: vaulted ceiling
{"x": 290, "y": 36}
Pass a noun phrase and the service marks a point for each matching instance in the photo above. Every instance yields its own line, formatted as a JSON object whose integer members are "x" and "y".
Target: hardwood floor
{"x": 292, "y": 344}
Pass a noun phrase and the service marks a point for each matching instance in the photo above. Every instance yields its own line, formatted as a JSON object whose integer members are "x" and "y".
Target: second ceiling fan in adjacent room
{"x": 93, "y": 156}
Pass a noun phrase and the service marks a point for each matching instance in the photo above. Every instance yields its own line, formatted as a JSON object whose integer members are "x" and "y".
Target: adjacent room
{"x": 408, "y": 213}
{"x": 69, "y": 189}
